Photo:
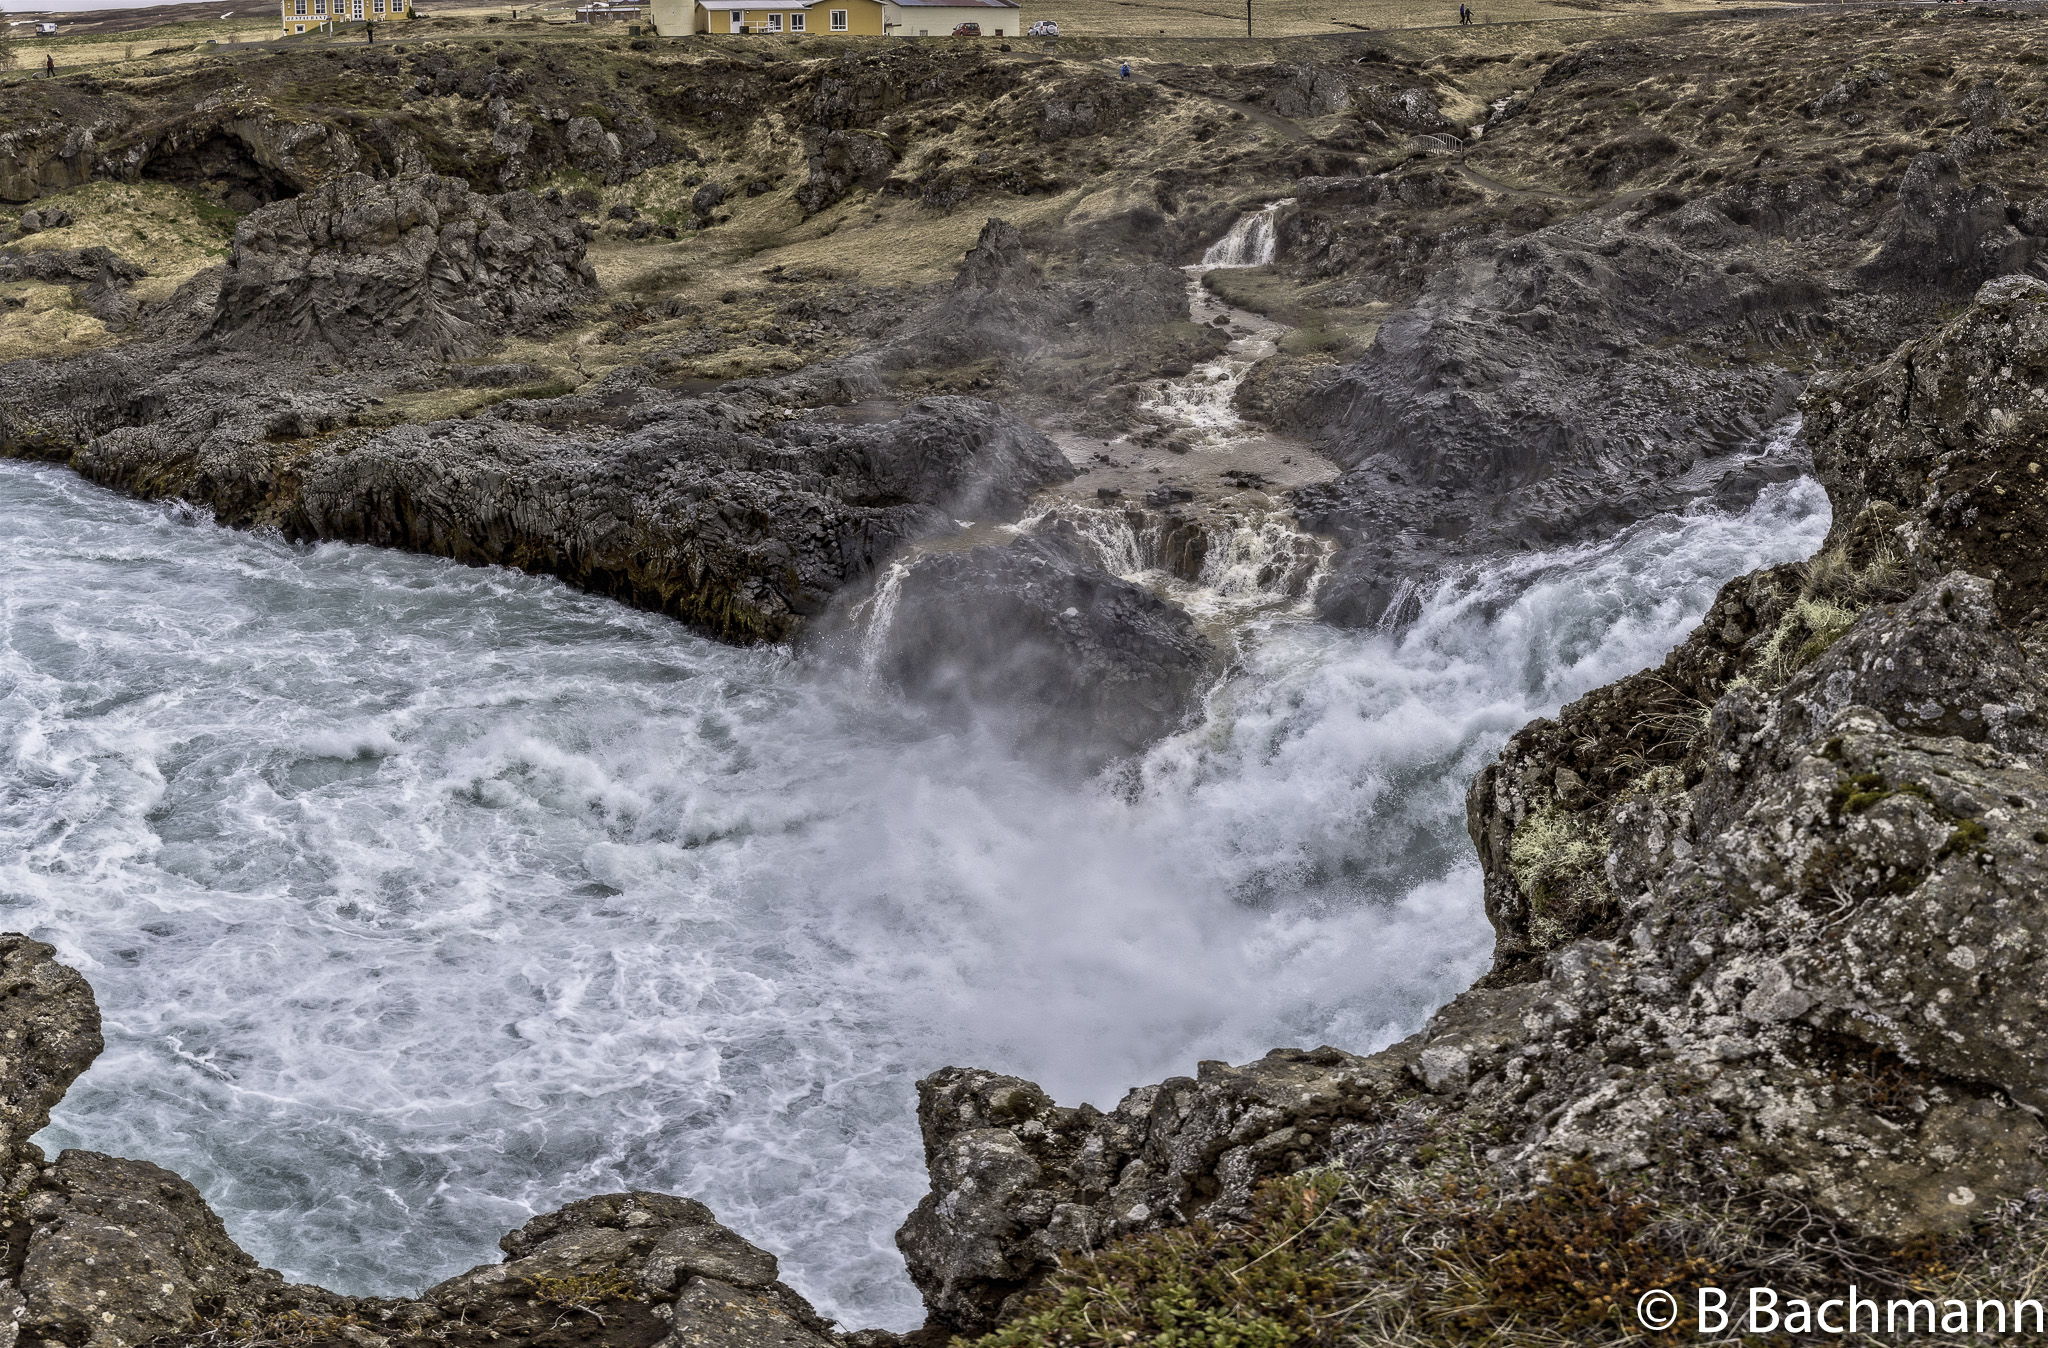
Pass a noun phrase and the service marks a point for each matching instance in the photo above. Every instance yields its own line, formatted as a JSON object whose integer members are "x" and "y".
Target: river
{"x": 421, "y": 898}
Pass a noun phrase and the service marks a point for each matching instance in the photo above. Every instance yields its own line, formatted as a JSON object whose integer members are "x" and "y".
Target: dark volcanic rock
{"x": 51, "y": 1028}
{"x": 1076, "y": 664}
{"x": 671, "y": 1254}
{"x": 364, "y": 271}
{"x": 1952, "y": 429}
{"x": 1555, "y": 387}
{"x": 1017, "y": 1180}
{"x": 122, "y": 1251}
{"x": 840, "y": 162}
{"x": 1001, "y": 305}
{"x": 1521, "y": 402}
{"x": 1945, "y": 233}
{"x": 722, "y": 511}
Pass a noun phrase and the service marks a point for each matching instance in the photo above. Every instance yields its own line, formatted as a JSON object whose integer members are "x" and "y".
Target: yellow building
{"x": 869, "y": 18}
{"x": 302, "y": 15}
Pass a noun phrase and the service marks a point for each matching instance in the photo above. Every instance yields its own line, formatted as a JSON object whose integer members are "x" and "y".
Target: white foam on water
{"x": 420, "y": 899}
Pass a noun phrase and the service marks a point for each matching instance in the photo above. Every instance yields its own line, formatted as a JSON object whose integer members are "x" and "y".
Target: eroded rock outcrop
{"x": 1563, "y": 384}
{"x": 1038, "y": 643}
{"x": 1773, "y": 921}
{"x": 724, "y": 510}
{"x": 367, "y": 271}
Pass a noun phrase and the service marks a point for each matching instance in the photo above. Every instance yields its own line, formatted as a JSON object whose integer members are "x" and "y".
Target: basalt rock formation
{"x": 724, "y": 511}
{"x": 1038, "y": 643}
{"x": 1542, "y": 391}
{"x": 734, "y": 511}
{"x": 1618, "y": 339}
{"x": 1772, "y": 920}
{"x": 367, "y": 271}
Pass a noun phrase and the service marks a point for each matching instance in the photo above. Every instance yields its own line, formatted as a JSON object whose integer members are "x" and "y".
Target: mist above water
{"x": 420, "y": 898}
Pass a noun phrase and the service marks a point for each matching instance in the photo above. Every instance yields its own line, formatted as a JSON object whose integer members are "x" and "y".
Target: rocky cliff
{"x": 1772, "y": 922}
{"x": 736, "y": 511}
{"x": 361, "y": 271}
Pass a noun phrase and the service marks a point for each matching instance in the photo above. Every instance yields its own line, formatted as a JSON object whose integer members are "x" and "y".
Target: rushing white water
{"x": 1251, "y": 241}
{"x": 1202, "y": 402}
{"x": 421, "y": 898}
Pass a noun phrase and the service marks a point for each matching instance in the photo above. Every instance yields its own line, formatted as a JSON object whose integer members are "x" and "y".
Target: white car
{"x": 1043, "y": 28}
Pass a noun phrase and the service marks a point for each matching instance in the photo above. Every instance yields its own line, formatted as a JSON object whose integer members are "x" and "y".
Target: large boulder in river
{"x": 1078, "y": 666}
{"x": 364, "y": 270}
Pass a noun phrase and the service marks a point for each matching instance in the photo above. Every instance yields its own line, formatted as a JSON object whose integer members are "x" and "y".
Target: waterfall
{"x": 1251, "y": 241}
{"x": 421, "y": 897}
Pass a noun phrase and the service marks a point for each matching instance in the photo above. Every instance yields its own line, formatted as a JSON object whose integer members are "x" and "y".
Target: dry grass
{"x": 48, "y": 323}
{"x": 171, "y": 233}
{"x": 168, "y": 231}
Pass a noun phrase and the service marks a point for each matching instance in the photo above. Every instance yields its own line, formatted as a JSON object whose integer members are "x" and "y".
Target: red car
{"x": 967, "y": 30}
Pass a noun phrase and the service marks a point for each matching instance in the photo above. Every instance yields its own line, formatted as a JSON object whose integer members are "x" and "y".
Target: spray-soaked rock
{"x": 1035, "y": 641}
{"x": 49, "y": 1033}
{"x": 362, "y": 270}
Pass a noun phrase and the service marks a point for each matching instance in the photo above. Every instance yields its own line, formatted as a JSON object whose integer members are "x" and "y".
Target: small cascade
{"x": 1251, "y": 242}
{"x": 1202, "y": 403}
{"x": 1225, "y": 551}
{"x": 1221, "y": 564}
{"x": 872, "y": 616}
{"x": 1263, "y": 558}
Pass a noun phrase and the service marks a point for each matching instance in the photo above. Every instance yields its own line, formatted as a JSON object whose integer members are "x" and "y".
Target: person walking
{"x": 49, "y": 66}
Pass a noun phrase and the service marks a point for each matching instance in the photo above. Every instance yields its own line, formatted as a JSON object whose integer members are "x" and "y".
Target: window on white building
{"x": 838, "y": 20}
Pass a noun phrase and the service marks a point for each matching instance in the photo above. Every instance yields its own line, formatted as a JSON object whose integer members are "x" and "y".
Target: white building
{"x": 301, "y": 15}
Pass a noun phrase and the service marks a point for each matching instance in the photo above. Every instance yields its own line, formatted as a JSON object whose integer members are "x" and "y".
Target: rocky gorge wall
{"x": 1784, "y": 959}
{"x": 1767, "y": 916}
{"x": 1771, "y": 920}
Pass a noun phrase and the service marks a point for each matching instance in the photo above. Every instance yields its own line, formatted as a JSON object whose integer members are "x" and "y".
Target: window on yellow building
{"x": 299, "y": 7}
{"x": 796, "y": 23}
{"x": 774, "y": 23}
{"x": 838, "y": 20}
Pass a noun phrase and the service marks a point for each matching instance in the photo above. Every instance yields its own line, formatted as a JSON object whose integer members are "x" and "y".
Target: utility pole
{"x": 1247, "y": 18}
